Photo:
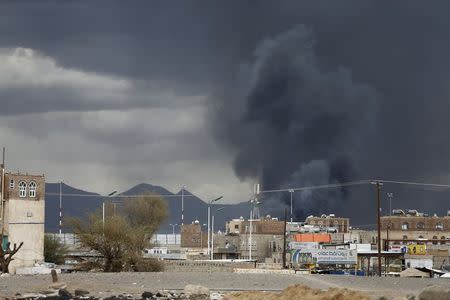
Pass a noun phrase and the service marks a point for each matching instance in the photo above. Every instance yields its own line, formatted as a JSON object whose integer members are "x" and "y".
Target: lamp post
{"x": 390, "y": 196}
{"x": 291, "y": 191}
{"x": 173, "y": 232}
{"x": 254, "y": 201}
{"x": 209, "y": 218}
{"x": 212, "y": 234}
{"x": 182, "y": 204}
{"x": 103, "y": 207}
{"x": 60, "y": 208}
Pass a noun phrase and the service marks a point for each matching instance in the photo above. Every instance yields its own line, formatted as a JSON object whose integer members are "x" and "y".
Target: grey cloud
{"x": 396, "y": 52}
{"x": 34, "y": 83}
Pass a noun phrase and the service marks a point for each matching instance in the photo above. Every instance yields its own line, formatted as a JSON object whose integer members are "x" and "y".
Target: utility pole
{"x": 284, "y": 238}
{"x": 209, "y": 219}
{"x": 182, "y": 204}
{"x": 3, "y": 198}
{"x": 209, "y": 228}
{"x": 60, "y": 207}
{"x": 291, "y": 191}
{"x": 250, "y": 236}
{"x": 378, "y": 187}
{"x": 212, "y": 240}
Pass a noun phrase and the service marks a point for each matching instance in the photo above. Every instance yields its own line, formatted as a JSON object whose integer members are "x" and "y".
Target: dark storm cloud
{"x": 396, "y": 50}
{"x": 369, "y": 99}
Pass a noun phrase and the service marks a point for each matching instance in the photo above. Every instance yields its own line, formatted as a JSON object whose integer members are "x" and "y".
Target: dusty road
{"x": 103, "y": 284}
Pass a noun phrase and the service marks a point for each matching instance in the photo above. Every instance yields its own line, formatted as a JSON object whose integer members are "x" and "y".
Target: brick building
{"x": 192, "y": 236}
{"x": 412, "y": 225}
{"x": 23, "y": 216}
{"x": 259, "y": 226}
{"x": 329, "y": 221}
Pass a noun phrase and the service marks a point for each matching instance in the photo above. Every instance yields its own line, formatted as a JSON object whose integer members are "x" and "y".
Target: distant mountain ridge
{"x": 77, "y": 203}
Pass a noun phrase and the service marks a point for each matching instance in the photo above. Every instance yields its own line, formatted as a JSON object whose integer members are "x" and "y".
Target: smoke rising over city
{"x": 285, "y": 93}
{"x": 295, "y": 123}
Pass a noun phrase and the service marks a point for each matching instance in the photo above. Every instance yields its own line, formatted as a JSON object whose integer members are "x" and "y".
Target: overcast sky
{"x": 217, "y": 95}
{"x": 107, "y": 96}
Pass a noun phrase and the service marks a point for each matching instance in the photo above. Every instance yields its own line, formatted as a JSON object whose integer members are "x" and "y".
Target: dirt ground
{"x": 300, "y": 292}
{"x": 104, "y": 284}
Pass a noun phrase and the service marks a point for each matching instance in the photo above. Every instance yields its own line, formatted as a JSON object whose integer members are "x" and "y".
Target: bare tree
{"x": 6, "y": 255}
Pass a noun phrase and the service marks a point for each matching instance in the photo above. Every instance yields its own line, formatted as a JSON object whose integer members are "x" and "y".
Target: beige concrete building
{"x": 411, "y": 225}
{"x": 329, "y": 221}
{"x": 23, "y": 216}
{"x": 264, "y": 247}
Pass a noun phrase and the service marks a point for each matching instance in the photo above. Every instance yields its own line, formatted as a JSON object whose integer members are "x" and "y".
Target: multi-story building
{"x": 192, "y": 236}
{"x": 411, "y": 225}
{"x": 260, "y": 247}
{"x": 259, "y": 226}
{"x": 22, "y": 216}
{"x": 329, "y": 221}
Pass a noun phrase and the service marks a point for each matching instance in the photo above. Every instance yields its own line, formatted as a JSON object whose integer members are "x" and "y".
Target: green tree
{"x": 54, "y": 250}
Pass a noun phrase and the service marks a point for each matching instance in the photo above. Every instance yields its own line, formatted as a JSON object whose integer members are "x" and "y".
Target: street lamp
{"x": 182, "y": 204}
{"x": 103, "y": 207}
{"x": 291, "y": 191}
{"x": 212, "y": 234}
{"x": 390, "y": 196}
{"x": 255, "y": 204}
{"x": 209, "y": 218}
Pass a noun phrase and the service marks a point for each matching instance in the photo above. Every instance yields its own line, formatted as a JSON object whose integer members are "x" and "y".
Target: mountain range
{"x": 78, "y": 203}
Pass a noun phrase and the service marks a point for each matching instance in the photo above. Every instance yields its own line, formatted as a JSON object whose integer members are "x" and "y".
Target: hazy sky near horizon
{"x": 105, "y": 95}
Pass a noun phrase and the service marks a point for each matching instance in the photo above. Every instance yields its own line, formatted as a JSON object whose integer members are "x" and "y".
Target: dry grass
{"x": 300, "y": 292}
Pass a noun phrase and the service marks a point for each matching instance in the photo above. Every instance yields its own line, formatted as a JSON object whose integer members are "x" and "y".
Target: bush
{"x": 54, "y": 250}
{"x": 149, "y": 265}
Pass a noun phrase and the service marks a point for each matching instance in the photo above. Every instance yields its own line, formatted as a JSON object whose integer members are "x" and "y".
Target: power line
{"x": 317, "y": 187}
{"x": 413, "y": 183}
{"x": 354, "y": 183}
{"x": 116, "y": 196}
{"x": 303, "y": 188}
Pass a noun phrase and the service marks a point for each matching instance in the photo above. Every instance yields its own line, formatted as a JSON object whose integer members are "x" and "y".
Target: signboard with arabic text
{"x": 324, "y": 256}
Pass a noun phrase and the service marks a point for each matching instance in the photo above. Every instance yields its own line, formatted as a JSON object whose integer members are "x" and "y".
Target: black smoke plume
{"x": 298, "y": 123}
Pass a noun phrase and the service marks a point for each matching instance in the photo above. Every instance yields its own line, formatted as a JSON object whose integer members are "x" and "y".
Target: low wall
{"x": 205, "y": 266}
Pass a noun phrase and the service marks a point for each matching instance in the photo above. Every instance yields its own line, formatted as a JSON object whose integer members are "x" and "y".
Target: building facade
{"x": 192, "y": 236}
{"x": 23, "y": 216}
{"x": 416, "y": 226}
{"x": 329, "y": 221}
{"x": 260, "y": 247}
{"x": 259, "y": 226}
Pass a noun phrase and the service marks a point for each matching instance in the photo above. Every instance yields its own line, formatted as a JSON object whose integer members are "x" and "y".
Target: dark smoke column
{"x": 294, "y": 123}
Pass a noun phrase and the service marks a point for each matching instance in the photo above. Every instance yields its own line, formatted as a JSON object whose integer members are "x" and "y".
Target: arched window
{"x": 442, "y": 240}
{"x": 435, "y": 240}
{"x": 32, "y": 189}
{"x": 405, "y": 237}
{"x": 439, "y": 226}
{"x": 405, "y": 226}
{"x": 420, "y": 225}
{"x": 22, "y": 189}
